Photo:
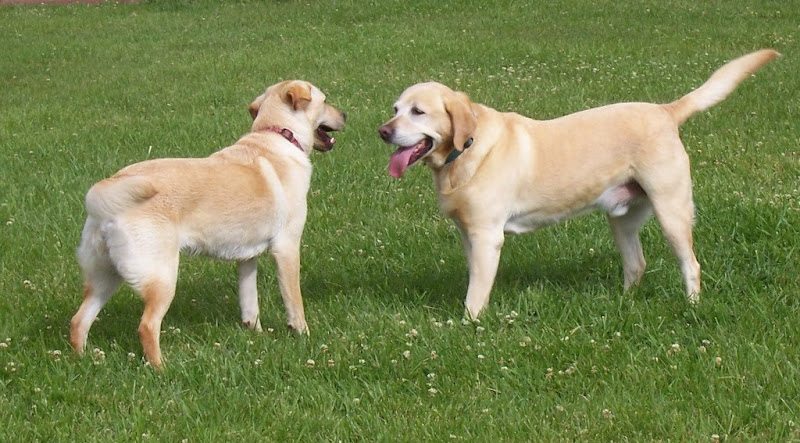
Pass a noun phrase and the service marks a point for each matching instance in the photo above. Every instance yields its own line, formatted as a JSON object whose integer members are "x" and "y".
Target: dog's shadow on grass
{"x": 444, "y": 286}
{"x": 204, "y": 298}
{"x": 562, "y": 274}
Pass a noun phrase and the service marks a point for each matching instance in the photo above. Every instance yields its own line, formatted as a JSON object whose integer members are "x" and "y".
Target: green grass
{"x": 560, "y": 353}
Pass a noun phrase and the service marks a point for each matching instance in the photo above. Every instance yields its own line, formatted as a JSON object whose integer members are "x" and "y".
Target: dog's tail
{"x": 115, "y": 195}
{"x": 721, "y": 83}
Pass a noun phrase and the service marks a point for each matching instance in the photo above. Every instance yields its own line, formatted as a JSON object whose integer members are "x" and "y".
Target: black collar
{"x": 456, "y": 153}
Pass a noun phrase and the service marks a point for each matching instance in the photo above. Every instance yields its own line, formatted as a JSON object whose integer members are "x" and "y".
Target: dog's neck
{"x": 285, "y": 133}
{"x": 454, "y": 170}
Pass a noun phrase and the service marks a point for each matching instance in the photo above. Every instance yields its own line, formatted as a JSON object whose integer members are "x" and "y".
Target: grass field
{"x": 560, "y": 353}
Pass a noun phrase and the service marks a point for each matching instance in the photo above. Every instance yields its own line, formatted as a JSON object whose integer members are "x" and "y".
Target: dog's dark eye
{"x": 416, "y": 111}
{"x": 395, "y": 109}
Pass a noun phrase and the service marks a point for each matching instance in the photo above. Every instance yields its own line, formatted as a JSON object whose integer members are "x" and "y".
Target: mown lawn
{"x": 560, "y": 354}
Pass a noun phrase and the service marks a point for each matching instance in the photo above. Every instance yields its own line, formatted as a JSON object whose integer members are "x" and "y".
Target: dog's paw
{"x": 78, "y": 346}
{"x": 299, "y": 327}
{"x": 471, "y": 313}
{"x": 694, "y": 298}
{"x": 254, "y": 325}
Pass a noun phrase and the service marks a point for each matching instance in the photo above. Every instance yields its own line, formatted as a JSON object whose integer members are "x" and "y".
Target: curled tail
{"x": 115, "y": 195}
{"x": 722, "y": 82}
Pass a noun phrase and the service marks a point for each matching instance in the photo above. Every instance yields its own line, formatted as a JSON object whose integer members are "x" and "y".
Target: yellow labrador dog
{"x": 234, "y": 205}
{"x": 497, "y": 172}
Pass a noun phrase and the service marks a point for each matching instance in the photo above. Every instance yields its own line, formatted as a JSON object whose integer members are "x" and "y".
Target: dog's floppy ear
{"x": 256, "y": 105}
{"x": 463, "y": 121}
{"x": 297, "y": 95}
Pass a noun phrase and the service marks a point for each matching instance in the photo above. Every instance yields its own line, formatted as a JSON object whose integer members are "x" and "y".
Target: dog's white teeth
{"x": 333, "y": 140}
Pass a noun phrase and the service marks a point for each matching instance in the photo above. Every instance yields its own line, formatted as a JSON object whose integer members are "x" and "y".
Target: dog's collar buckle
{"x": 285, "y": 133}
{"x": 455, "y": 153}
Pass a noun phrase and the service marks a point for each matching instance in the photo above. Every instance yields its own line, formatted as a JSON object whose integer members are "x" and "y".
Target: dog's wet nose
{"x": 385, "y": 131}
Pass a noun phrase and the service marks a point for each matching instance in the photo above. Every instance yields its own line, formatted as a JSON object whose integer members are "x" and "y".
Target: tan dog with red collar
{"x": 521, "y": 174}
{"x": 233, "y": 205}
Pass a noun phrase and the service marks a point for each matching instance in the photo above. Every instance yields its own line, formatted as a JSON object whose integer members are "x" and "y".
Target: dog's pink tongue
{"x": 399, "y": 162}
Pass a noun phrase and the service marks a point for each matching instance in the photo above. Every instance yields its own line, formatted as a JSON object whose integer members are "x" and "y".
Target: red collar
{"x": 285, "y": 133}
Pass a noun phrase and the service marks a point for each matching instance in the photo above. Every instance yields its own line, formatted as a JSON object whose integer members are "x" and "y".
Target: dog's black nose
{"x": 386, "y": 132}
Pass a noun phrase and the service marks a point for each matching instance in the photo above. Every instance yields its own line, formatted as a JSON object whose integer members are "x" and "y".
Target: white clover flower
{"x": 310, "y": 363}
{"x": 406, "y": 354}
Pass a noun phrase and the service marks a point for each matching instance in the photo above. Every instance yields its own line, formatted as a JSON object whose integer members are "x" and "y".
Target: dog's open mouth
{"x": 405, "y": 156}
{"x": 323, "y": 140}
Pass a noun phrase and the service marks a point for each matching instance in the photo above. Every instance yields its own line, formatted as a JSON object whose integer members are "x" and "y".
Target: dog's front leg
{"x": 483, "y": 254}
{"x": 248, "y": 293}
{"x": 287, "y": 260}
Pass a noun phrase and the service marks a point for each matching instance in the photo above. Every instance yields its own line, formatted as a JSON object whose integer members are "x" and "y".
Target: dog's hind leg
{"x": 100, "y": 281}
{"x": 675, "y": 217}
{"x": 146, "y": 254}
{"x": 670, "y": 192}
{"x": 625, "y": 229}
{"x": 248, "y": 293}
{"x": 158, "y": 295}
